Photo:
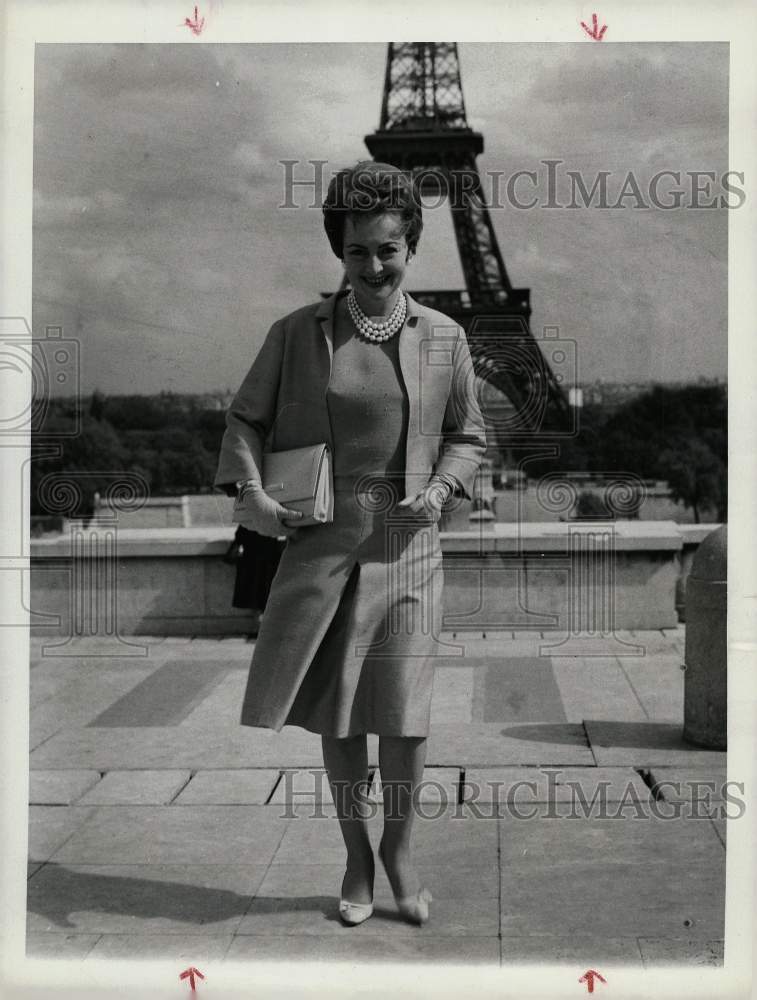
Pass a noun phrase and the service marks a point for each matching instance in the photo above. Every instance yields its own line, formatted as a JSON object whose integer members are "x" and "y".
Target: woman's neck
{"x": 378, "y": 310}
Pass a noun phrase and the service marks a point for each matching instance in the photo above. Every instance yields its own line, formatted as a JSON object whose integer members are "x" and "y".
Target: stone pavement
{"x": 555, "y": 823}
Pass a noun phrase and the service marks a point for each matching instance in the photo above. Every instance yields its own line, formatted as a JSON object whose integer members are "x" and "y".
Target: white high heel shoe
{"x": 353, "y": 914}
{"x": 414, "y": 908}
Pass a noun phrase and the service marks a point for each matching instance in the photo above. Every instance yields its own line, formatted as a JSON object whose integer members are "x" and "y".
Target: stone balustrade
{"x": 582, "y": 579}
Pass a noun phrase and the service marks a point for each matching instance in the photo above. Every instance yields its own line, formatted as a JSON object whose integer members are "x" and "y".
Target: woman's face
{"x": 375, "y": 257}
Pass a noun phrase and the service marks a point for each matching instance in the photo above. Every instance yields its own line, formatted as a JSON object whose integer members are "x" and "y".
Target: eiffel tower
{"x": 424, "y": 129}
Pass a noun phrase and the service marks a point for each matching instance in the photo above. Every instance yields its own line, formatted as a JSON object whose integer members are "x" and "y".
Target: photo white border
{"x": 26, "y": 23}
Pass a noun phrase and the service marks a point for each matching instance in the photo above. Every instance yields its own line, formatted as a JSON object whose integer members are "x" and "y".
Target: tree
{"x": 97, "y": 405}
{"x": 96, "y": 451}
{"x": 695, "y": 475}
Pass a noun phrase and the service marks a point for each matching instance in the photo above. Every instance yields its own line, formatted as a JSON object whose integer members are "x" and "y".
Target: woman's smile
{"x": 376, "y": 282}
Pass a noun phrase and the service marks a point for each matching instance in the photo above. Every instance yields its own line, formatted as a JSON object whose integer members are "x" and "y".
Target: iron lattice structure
{"x": 424, "y": 129}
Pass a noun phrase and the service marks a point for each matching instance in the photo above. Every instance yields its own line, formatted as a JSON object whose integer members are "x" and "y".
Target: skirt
{"x": 353, "y": 621}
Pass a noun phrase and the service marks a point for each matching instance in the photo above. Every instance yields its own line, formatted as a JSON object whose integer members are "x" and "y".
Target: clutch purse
{"x": 301, "y": 478}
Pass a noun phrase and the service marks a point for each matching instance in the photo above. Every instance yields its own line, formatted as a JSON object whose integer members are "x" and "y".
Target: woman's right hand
{"x": 255, "y": 510}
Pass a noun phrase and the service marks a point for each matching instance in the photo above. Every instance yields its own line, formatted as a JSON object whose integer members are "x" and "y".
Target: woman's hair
{"x": 371, "y": 188}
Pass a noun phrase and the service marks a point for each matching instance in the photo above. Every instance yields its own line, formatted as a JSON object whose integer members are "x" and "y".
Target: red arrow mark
{"x": 195, "y": 26}
{"x": 589, "y": 976}
{"x": 596, "y": 32}
{"x": 191, "y": 972}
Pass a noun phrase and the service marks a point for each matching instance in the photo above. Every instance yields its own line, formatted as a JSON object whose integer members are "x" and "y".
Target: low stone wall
{"x": 582, "y": 578}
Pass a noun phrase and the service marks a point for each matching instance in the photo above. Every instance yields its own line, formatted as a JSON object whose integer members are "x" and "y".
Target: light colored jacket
{"x": 281, "y": 403}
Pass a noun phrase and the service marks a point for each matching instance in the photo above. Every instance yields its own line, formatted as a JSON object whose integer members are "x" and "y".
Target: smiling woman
{"x": 347, "y": 643}
{"x": 373, "y": 219}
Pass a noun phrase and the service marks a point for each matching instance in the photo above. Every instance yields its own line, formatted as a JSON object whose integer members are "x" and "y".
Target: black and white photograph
{"x": 375, "y": 412}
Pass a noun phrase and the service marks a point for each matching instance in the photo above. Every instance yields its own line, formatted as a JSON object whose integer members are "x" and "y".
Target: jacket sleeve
{"x": 251, "y": 415}
{"x": 463, "y": 430}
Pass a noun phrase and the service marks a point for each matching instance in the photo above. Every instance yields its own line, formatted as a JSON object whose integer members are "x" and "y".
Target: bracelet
{"x": 445, "y": 481}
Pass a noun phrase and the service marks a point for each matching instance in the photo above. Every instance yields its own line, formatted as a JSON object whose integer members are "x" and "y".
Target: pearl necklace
{"x": 377, "y": 332}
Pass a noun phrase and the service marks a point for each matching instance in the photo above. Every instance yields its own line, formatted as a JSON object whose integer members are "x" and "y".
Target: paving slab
{"x": 305, "y": 901}
{"x": 559, "y": 784}
{"x": 172, "y": 835}
{"x": 136, "y": 788}
{"x": 578, "y": 951}
{"x": 59, "y": 788}
{"x": 657, "y": 679}
{"x": 194, "y": 948}
{"x": 612, "y": 878}
{"x": 614, "y": 898}
{"x": 682, "y": 784}
{"x": 671, "y": 951}
{"x": 645, "y": 744}
{"x": 51, "y": 826}
{"x": 516, "y": 689}
{"x": 364, "y": 948}
{"x": 239, "y": 787}
{"x": 47, "y": 678}
{"x": 452, "y": 699}
{"x": 124, "y": 899}
{"x": 32, "y": 867}
{"x": 166, "y": 695}
{"x": 447, "y": 835}
{"x": 189, "y": 747}
{"x": 222, "y": 704}
{"x": 56, "y": 945}
{"x": 83, "y": 698}
{"x": 595, "y": 686}
{"x": 650, "y": 839}
{"x": 521, "y": 743}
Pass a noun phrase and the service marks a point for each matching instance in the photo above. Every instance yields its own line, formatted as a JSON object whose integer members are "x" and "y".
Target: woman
{"x": 354, "y": 613}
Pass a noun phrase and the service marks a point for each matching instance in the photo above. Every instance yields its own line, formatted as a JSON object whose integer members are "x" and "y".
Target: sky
{"x": 159, "y": 242}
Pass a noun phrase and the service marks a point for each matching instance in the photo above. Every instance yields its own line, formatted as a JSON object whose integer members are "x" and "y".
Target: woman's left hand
{"x": 430, "y": 500}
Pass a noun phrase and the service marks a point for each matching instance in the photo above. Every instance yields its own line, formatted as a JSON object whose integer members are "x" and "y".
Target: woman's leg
{"x": 401, "y": 760}
{"x": 346, "y": 762}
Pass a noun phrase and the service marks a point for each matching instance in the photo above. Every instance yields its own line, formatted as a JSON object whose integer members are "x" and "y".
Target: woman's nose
{"x": 375, "y": 266}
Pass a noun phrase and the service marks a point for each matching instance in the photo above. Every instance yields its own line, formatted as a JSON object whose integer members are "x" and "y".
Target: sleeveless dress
{"x": 372, "y": 663}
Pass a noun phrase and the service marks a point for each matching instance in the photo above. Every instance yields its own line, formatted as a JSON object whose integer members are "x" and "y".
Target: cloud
{"x": 157, "y": 176}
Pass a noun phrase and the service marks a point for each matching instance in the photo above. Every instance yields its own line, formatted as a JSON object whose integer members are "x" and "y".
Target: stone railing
{"x": 584, "y": 579}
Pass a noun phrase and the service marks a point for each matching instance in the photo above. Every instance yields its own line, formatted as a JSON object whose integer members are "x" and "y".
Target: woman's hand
{"x": 255, "y": 510}
{"x": 430, "y": 500}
